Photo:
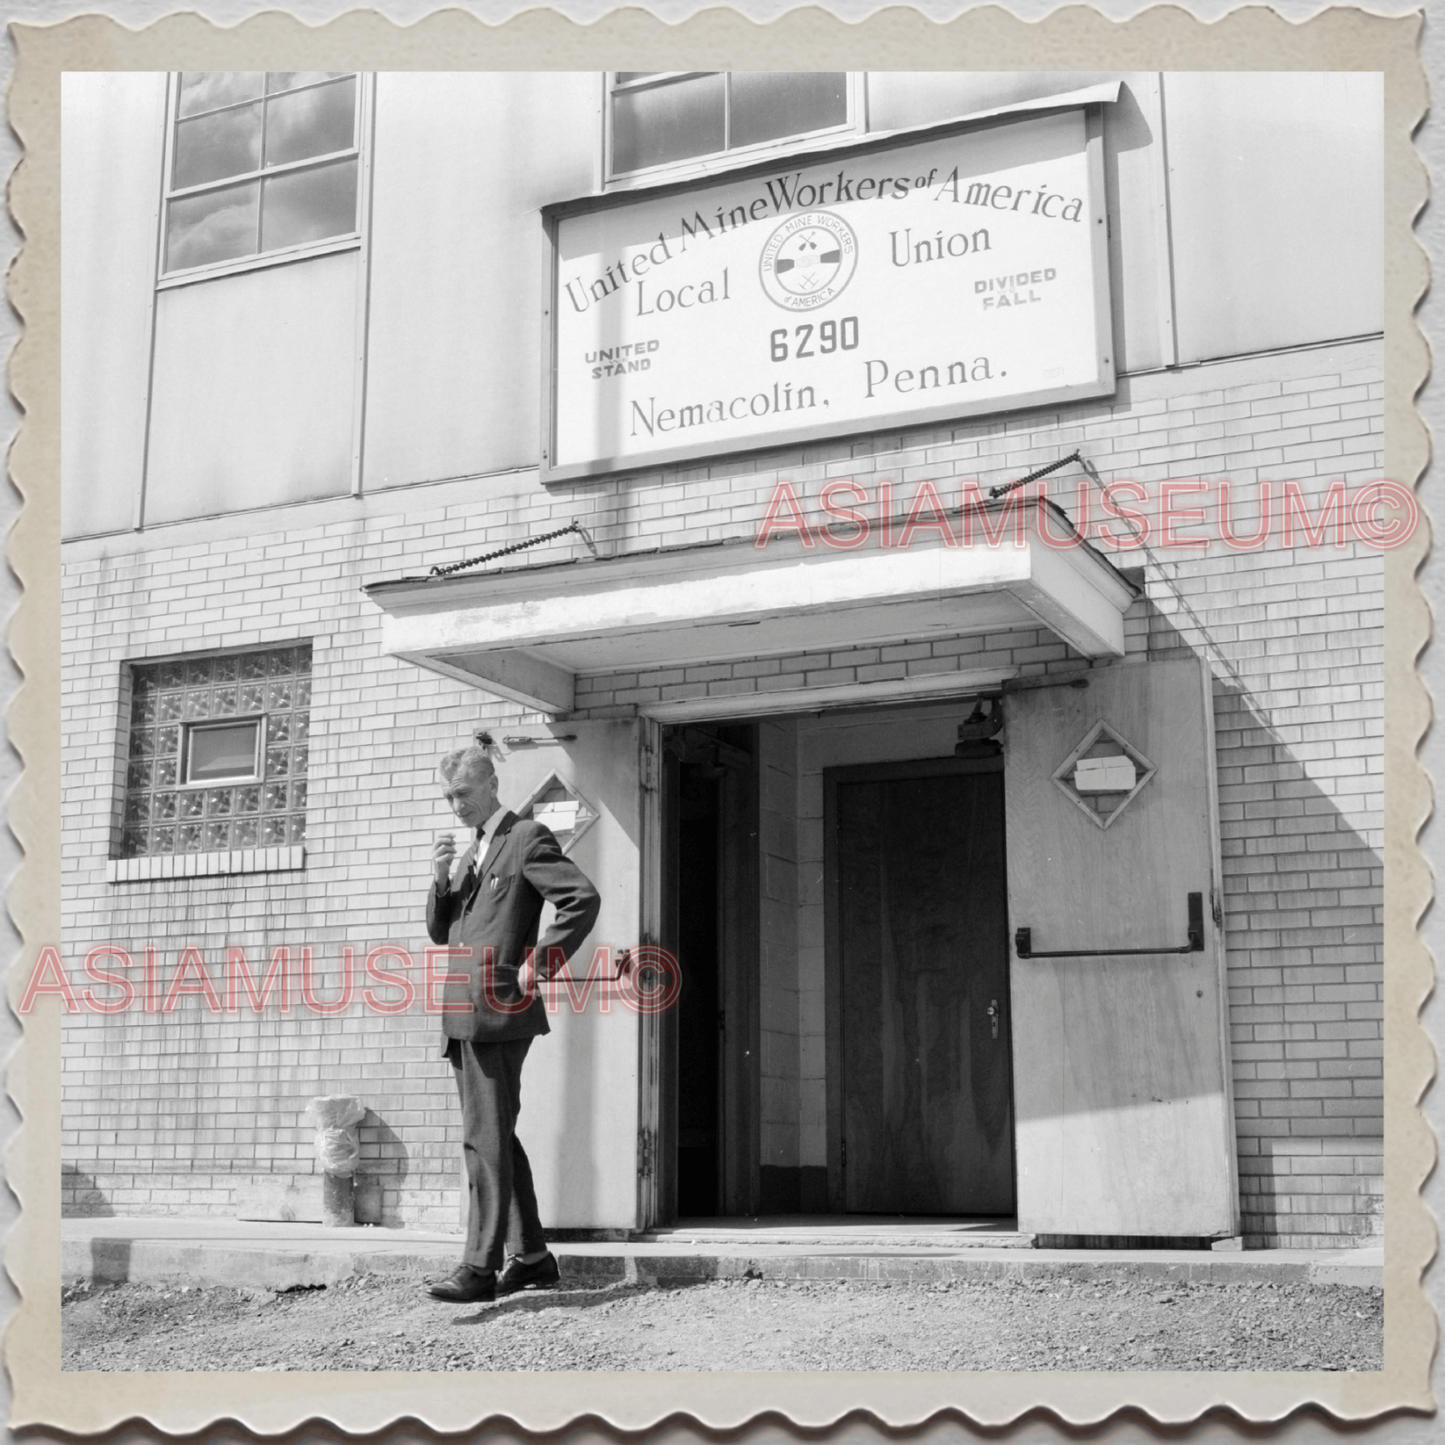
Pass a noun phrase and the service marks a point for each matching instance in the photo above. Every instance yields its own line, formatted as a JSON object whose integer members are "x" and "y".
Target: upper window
{"x": 659, "y": 118}
{"x": 218, "y": 752}
{"x": 260, "y": 162}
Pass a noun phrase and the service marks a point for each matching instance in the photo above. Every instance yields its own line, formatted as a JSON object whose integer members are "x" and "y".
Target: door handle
{"x": 1023, "y": 940}
{"x": 992, "y": 1012}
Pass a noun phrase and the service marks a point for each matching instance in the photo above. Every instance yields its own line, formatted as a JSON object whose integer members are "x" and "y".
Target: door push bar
{"x": 1023, "y": 940}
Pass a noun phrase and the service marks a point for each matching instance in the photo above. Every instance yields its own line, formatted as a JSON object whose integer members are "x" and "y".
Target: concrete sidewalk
{"x": 279, "y": 1256}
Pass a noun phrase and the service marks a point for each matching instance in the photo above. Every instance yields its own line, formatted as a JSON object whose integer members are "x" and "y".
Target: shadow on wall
{"x": 1303, "y": 899}
{"x": 385, "y": 1165}
{"x": 81, "y": 1196}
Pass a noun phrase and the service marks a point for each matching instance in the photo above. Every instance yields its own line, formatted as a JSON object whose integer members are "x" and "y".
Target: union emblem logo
{"x": 808, "y": 260}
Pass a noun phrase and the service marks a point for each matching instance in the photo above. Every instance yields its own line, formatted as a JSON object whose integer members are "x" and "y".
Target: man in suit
{"x": 490, "y": 904}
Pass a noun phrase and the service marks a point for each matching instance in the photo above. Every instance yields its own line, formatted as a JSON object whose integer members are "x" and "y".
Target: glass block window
{"x": 260, "y": 162}
{"x": 219, "y": 748}
{"x": 658, "y": 118}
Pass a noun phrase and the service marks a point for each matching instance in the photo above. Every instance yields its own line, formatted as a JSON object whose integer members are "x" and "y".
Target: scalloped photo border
{"x": 1076, "y": 38}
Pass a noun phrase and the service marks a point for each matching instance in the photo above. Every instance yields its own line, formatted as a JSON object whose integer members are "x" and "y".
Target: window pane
{"x": 290, "y": 79}
{"x": 208, "y": 89}
{"x": 669, "y": 123}
{"x": 766, "y": 106}
{"x": 309, "y": 206}
{"x": 310, "y": 123}
{"x": 212, "y": 147}
{"x": 216, "y": 226}
{"x": 224, "y": 752}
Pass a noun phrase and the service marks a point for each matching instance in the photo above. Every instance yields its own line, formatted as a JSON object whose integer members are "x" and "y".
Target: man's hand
{"x": 527, "y": 975}
{"x": 443, "y": 854}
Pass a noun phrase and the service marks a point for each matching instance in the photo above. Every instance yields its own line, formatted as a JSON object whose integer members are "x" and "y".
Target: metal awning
{"x": 525, "y": 633}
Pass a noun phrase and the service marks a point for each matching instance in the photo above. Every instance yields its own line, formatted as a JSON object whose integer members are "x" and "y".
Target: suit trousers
{"x": 502, "y": 1203}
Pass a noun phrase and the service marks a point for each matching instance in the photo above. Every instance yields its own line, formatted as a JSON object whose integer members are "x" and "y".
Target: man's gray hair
{"x": 472, "y": 761}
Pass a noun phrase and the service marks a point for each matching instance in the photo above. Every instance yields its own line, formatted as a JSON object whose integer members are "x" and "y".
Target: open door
{"x": 709, "y": 1157}
{"x": 1121, "y": 1079}
{"x": 581, "y": 1118}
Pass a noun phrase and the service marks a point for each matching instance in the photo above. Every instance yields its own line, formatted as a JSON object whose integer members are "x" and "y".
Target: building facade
{"x": 1020, "y": 855}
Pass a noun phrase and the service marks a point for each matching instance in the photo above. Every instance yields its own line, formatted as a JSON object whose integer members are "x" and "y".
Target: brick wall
{"x": 163, "y": 1114}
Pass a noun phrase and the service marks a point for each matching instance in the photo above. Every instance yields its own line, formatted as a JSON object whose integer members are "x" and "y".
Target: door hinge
{"x": 647, "y": 768}
{"x": 646, "y": 1152}
{"x": 843, "y": 1153}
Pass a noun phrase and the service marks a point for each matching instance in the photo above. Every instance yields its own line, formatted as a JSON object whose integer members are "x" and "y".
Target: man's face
{"x": 472, "y": 797}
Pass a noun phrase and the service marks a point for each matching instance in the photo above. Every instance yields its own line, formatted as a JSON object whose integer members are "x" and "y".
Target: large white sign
{"x": 955, "y": 275}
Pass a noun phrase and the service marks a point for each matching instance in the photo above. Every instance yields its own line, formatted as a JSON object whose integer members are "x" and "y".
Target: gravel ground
{"x": 1036, "y": 1324}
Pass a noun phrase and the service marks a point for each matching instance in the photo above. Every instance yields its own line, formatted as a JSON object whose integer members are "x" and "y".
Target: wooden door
{"x": 919, "y": 933}
{"x": 710, "y": 921}
{"x": 1121, "y": 1078}
{"x": 580, "y": 1115}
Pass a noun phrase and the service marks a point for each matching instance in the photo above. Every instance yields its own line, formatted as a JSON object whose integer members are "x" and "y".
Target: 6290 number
{"x": 811, "y": 340}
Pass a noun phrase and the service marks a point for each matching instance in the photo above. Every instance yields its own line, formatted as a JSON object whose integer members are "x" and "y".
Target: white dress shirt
{"x": 478, "y": 848}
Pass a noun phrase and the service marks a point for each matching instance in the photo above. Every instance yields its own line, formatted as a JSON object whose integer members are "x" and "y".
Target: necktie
{"x": 467, "y": 868}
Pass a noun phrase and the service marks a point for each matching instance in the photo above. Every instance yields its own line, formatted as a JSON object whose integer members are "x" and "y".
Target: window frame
{"x": 856, "y": 125}
{"x": 351, "y": 240}
{"x": 123, "y": 866}
{"x": 191, "y": 727}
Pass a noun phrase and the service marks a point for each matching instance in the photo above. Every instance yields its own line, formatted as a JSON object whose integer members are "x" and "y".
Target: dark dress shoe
{"x": 541, "y": 1274}
{"x": 467, "y": 1286}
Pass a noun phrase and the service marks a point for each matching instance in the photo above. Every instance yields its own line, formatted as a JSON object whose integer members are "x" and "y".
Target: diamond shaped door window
{"x": 1103, "y": 774}
{"x": 562, "y": 808}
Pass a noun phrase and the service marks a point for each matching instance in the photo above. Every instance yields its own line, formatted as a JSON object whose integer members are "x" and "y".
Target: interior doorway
{"x": 710, "y": 922}
{"x": 919, "y": 1071}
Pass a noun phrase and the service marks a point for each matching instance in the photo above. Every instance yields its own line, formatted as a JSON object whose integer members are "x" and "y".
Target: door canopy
{"x": 525, "y": 633}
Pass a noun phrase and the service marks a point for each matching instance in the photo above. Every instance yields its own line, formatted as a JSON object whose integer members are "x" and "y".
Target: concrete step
{"x": 295, "y": 1256}
{"x": 837, "y": 1239}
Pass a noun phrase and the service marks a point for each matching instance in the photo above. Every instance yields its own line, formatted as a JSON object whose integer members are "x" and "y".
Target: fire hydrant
{"x": 338, "y": 1148}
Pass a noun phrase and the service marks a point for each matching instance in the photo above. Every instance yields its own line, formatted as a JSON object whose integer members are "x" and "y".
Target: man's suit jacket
{"x": 494, "y": 912}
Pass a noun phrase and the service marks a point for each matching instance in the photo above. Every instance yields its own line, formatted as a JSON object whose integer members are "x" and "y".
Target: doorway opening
{"x": 710, "y": 922}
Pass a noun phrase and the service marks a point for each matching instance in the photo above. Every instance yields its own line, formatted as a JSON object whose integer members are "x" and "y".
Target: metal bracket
{"x": 1023, "y": 940}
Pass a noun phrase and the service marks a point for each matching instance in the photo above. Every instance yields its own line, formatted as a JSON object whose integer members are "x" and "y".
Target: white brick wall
{"x": 161, "y": 1114}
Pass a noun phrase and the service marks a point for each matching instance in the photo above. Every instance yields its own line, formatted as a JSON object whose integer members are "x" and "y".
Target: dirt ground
{"x": 1039, "y": 1324}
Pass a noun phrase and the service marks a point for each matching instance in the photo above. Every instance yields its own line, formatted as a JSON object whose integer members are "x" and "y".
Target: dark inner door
{"x": 699, "y": 1121}
{"x": 921, "y": 936}
{"x": 710, "y": 921}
